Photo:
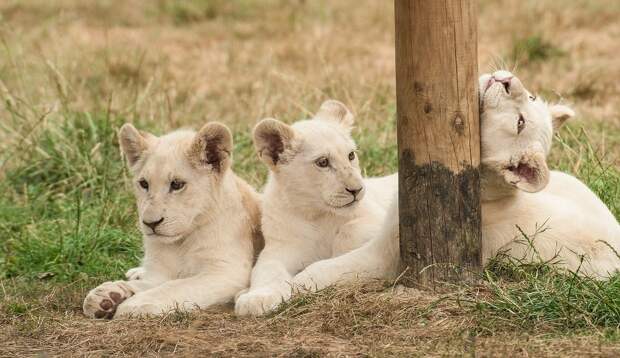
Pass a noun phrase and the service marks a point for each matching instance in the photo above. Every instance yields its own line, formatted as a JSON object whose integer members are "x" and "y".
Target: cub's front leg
{"x": 270, "y": 284}
{"x": 197, "y": 292}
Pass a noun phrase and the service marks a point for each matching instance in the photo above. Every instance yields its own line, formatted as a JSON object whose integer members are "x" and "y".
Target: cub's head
{"x": 177, "y": 177}
{"x": 314, "y": 162}
{"x": 517, "y": 131}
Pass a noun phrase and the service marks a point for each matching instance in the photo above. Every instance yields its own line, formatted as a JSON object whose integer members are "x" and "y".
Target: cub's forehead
{"x": 177, "y": 138}
{"x": 172, "y": 144}
{"x": 323, "y": 137}
{"x": 167, "y": 155}
{"x": 538, "y": 111}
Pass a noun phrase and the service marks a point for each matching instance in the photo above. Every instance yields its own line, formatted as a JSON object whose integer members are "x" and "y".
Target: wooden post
{"x": 438, "y": 139}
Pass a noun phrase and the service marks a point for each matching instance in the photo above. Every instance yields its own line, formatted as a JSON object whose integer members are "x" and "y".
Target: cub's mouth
{"x": 347, "y": 205}
{"x": 529, "y": 174}
{"x": 163, "y": 237}
{"x": 353, "y": 202}
{"x": 524, "y": 171}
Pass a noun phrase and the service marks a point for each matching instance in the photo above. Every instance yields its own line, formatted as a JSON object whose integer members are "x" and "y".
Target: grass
{"x": 63, "y": 216}
{"x": 525, "y": 295}
{"x": 71, "y": 74}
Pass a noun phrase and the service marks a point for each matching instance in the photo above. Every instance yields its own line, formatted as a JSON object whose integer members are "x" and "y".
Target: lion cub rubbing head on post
{"x": 517, "y": 131}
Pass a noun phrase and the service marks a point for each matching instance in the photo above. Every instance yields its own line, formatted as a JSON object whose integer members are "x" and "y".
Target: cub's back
{"x": 571, "y": 188}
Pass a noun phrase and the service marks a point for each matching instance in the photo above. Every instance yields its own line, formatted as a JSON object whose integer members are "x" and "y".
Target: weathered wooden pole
{"x": 438, "y": 139}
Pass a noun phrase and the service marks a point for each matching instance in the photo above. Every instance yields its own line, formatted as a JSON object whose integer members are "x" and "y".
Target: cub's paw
{"x": 259, "y": 302}
{"x": 102, "y": 301}
{"x": 140, "y": 306}
{"x": 136, "y": 273}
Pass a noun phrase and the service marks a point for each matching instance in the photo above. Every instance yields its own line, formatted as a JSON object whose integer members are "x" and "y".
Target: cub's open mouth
{"x": 530, "y": 173}
{"x": 525, "y": 171}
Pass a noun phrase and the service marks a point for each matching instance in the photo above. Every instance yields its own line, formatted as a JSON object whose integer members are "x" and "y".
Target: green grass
{"x": 575, "y": 153}
{"x": 525, "y": 295}
{"x": 66, "y": 212}
{"x": 378, "y": 155}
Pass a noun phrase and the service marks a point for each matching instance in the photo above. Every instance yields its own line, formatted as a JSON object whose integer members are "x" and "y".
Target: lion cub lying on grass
{"x": 200, "y": 224}
{"x": 312, "y": 203}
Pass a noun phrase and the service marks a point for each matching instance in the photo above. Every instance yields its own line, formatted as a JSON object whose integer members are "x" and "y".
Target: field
{"x": 72, "y": 72}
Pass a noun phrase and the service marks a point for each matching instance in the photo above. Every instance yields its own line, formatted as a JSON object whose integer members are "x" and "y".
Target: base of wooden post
{"x": 439, "y": 234}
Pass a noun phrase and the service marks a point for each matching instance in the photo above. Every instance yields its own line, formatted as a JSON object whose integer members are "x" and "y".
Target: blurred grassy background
{"x": 71, "y": 72}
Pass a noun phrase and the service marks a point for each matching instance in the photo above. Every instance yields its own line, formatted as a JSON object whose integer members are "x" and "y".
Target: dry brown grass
{"x": 167, "y": 66}
{"x": 359, "y": 320}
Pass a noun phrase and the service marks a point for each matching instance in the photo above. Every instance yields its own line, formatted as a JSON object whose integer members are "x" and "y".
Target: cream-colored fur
{"x": 309, "y": 211}
{"x": 564, "y": 220}
{"x": 201, "y": 251}
{"x": 516, "y": 137}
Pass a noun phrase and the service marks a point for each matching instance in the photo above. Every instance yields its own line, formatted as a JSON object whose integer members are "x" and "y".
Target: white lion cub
{"x": 517, "y": 132}
{"x": 565, "y": 219}
{"x": 201, "y": 225}
{"x": 312, "y": 203}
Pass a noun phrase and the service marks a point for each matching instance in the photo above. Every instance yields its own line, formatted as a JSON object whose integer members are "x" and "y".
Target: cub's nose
{"x": 354, "y": 192}
{"x": 153, "y": 224}
{"x": 506, "y": 83}
{"x": 503, "y": 77}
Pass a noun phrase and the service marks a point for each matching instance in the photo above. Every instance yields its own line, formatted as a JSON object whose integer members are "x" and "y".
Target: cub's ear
{"x": 133, "y": 143}
{"x": 336, "y": 111}
{"x": 559, "y": 115}
{"x": 273, "y": 141}
{"x": 212, "y": 148}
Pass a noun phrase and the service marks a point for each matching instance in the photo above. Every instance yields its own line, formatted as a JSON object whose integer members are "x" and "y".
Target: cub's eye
{"x": 533, "y": 97}
{"x": 520, "y": 124}
{"x": 351, "y": 156}
{"x": 322, "y": 162}
{"x": 176, "y": 185}
{"x": 144, "y": 184}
